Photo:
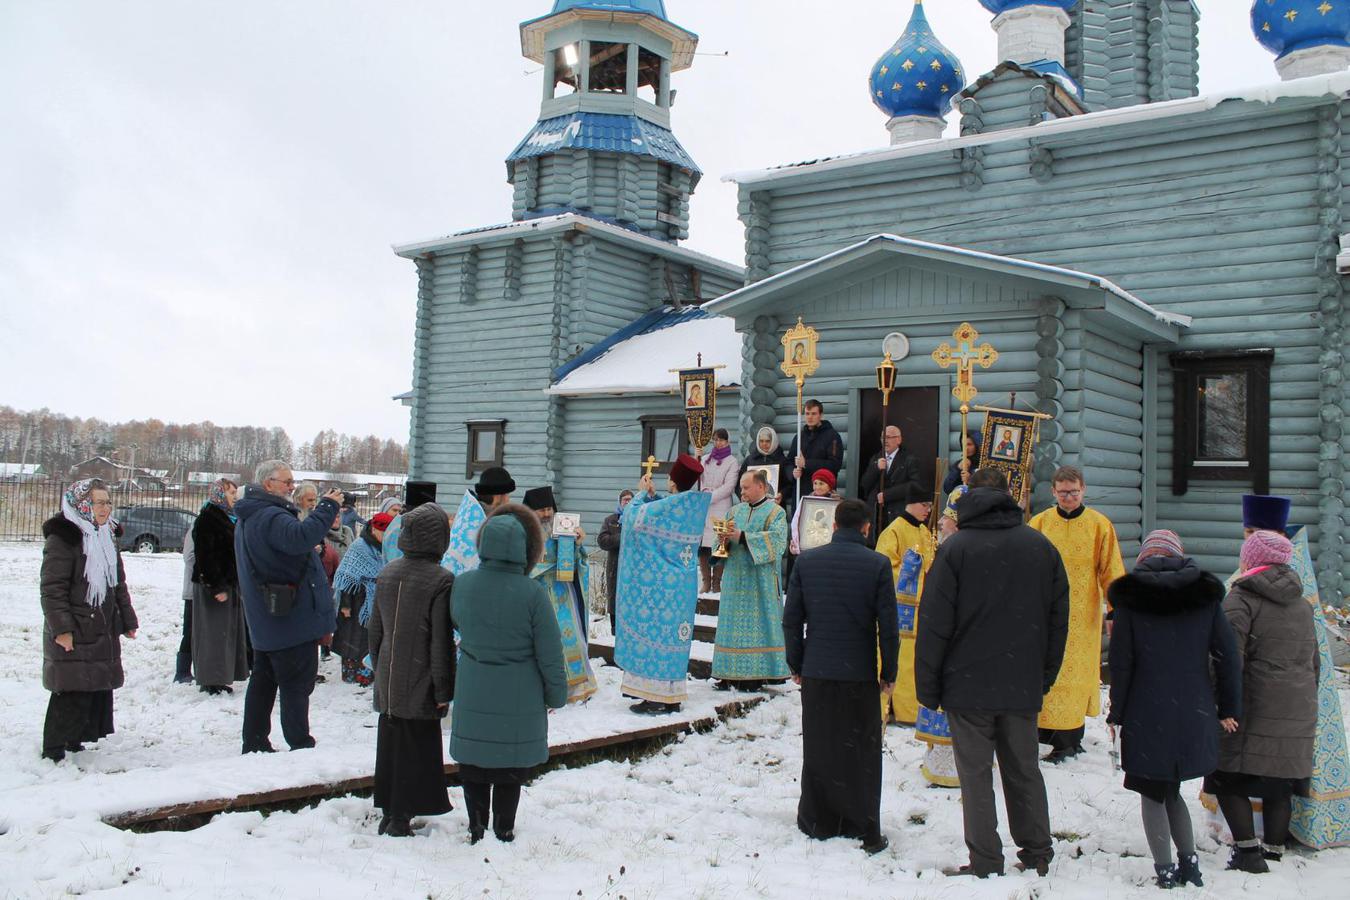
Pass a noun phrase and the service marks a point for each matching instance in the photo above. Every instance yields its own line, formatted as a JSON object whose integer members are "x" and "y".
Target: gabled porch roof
{"x": 1080, "y": 290}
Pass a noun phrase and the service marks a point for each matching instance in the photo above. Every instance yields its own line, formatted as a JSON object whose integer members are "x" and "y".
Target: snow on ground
{"x": 710, "y": 816}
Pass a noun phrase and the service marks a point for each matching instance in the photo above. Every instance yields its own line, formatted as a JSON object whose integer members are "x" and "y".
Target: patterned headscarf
{"x": 100, "y": 553}
{"x": 1160, "y": 543}
{"x": 216, "y": 494}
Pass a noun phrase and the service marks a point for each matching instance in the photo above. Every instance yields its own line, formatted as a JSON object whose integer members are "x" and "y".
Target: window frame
{"x": 475, "y": 427}
{"x": 1188, "y": 368}
{"x": 650, "y": 425}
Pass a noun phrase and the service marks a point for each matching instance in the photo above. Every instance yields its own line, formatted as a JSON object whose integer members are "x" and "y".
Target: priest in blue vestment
{"x": 657, "y": 590}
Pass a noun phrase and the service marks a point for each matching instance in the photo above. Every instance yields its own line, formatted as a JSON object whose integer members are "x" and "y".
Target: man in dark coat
{"x": 991, "y": 639}
{"x": 840, "y": 614}
{"x": 821, "y": 448}
{"x": 609, "y": 538}
{"x": 273, "y": 547}
{"x": 888, "y": 478}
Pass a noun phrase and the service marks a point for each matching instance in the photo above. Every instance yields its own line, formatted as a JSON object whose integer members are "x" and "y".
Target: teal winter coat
{"x": 511, "y": 662}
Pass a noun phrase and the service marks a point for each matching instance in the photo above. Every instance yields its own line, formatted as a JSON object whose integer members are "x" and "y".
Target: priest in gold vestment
{"x": 910, "y": 547}
{"x": 1086, "y": 540}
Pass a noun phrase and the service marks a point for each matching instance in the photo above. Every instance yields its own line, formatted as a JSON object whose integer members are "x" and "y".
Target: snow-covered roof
{"x": 11, "y": 469}
{"x": 563, "y": 222}
{"x": 1312, "y": 87}
{"x": 638, "y": 359}
{"x": 209, "y": 477}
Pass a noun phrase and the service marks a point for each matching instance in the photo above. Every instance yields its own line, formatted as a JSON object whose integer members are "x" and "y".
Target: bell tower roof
{"x": 650, "y": 15}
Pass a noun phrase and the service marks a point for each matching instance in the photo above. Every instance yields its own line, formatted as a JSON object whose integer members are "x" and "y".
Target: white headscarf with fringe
{"x": 100, "y": 553}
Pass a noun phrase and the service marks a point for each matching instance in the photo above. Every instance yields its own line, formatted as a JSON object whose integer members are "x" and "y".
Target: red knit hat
{"x": 826, "y": 476}
{"x": 381, "y": 521}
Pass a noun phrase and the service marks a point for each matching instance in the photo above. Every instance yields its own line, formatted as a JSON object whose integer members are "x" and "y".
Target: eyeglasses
{"x": 1068, "y": 495}
{"x": 101, "y": 504}
{"x": 289, "y": 482}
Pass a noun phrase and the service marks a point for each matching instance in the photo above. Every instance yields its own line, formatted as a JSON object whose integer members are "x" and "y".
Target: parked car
{"x": 150, "y": 529}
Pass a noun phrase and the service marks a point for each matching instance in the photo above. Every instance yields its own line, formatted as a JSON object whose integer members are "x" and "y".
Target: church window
{"x": 567, "y": 70}
{"x": 649, "y": 75}
{"x": 1221, "y": 418}
{"x": 487, "y": 445}
{"x": 664, "y": 437}
{"x": 609, "y": 68}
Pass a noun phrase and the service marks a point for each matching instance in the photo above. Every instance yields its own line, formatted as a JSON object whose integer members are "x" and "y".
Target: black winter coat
{"x": 903, "y": 472}
{"x": 410, "y": 634}
{"x": 213, "y": 550}
{"x": 840, "y": 611}
{"x": 823, "y": 449}
{"x": 95, "y": 663}
{"x": 995, "y": 613}
{"x": 611, "y": 531}
{"x": 1168, "y": 628}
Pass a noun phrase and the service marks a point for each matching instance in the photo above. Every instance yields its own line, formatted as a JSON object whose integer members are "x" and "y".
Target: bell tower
{"x": 603, "y": 144}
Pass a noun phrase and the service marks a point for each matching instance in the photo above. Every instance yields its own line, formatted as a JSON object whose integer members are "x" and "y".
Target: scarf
{"x": 720, "y": 453}
{"x": 215, "y": 495}
{"x": 100, "y": 553}
{"x": 359, "y": 568}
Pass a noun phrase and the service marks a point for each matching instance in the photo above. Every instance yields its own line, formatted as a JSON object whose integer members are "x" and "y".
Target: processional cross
{"x": 965, "y": 357}
{"x": 650, "y": 466}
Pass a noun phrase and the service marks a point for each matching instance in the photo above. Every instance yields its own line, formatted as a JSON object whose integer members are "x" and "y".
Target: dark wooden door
{"x": 915, "y": 412}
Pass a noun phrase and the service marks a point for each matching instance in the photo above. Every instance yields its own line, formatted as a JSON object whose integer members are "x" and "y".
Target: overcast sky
{"x": 197, "y": 200}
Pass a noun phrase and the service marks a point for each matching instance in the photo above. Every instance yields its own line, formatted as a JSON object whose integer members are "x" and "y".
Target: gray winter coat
{"x": 1276, "y": 639}
{"x": 95, "y": 663}
{"x": 410, "y": 640}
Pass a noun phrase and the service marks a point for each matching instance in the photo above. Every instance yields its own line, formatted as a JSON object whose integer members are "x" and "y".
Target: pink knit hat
{"x": 1159, "y": 543}
{"x": 1265, "y": 548}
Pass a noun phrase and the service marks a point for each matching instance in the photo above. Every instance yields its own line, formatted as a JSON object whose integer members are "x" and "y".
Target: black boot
{"x": 477, "y": 803}
{"x": 399, "y": 826}
{"x": 1249, "y": 860}
{"x": 650, "y": 708}
{"x": 505, "y": 802}
{"x": 1167, "y": 875}
{"x": 1188, "y": 870}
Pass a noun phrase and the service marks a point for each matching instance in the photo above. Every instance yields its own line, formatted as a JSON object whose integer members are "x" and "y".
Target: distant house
{"x": 11, "y": 472}
{"x": 352, "y": 481}
{"x": 118, "y": 474}
{"x": 203, "y": 478}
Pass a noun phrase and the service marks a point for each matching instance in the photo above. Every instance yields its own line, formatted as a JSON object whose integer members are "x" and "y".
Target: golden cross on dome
{"x": 965, "y": 357}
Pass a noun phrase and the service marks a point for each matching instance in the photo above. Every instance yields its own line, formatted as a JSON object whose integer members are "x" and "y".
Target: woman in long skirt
{"x": 86, "y": 611}
{"x": 413, "y": 654}
{"x": 219, "y": 633}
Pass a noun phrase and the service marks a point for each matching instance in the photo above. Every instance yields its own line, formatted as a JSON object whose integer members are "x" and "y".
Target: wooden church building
{"x": 1159, "y": 271}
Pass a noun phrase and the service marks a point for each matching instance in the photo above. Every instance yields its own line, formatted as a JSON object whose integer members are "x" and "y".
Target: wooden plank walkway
{"x": 198, "y": 812}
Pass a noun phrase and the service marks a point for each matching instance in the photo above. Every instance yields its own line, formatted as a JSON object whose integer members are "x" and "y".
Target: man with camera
{"x": 288, "y": 603}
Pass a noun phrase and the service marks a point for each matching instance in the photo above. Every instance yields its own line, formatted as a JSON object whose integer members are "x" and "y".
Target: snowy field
{"x": 711, "y": 816}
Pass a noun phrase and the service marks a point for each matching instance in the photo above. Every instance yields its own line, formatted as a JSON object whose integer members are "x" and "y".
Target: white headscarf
{"x": 100, "y": 553}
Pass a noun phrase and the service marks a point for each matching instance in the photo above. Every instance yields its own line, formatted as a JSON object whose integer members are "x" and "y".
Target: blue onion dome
{"x": 1001, "y": 6}
{"x": 1283, "y": 26}
{"x": 917, "y": 76}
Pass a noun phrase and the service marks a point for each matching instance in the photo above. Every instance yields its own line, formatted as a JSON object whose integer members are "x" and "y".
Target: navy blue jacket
{"x": 843, "y": 595}
{"x": 272, "y": 546}
{"x": 1169, "y": 631}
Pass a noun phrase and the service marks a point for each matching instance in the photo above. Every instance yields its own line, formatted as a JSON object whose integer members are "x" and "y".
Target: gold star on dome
{"x": 1325, "y": 7}
{"x": 923, "y": 49}
{"x": 1265, "y": 27}
{"x": 907, "y": 65}
{"x": 895, "y": 52}
{"x": 1291, "y": 15}
{"x": 945, "y": 89}
{"x": 923, "y": 85}
{"x": 896, "y": 86}
{"x": 878, "y": 93}
{"x": 956, "y": 72}
{"x": 936, "y": 65}
{"x": 885, "y": 69}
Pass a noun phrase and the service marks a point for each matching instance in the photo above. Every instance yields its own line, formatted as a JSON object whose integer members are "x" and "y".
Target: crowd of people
{"x": 983, "y": 633}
